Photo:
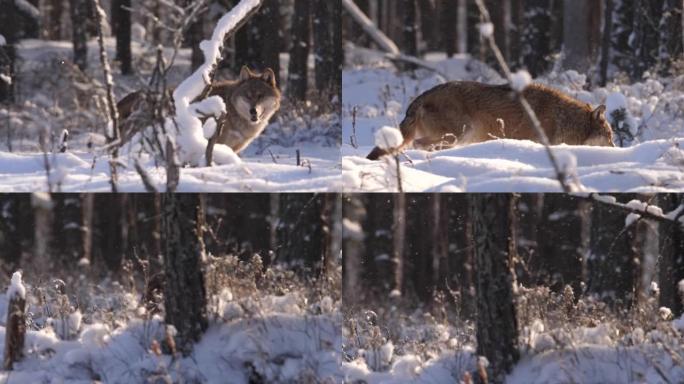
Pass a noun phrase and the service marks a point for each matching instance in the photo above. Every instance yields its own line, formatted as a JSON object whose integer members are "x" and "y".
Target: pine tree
{"x": 497, "y": 326}
{"x": 185, "y": 299}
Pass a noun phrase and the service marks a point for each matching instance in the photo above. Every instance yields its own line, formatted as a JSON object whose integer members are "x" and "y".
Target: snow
{"x": 191, "y": 140}
{"x": 281, "y": 340}
{"x": 375, "y": 95}
{"x": 486, "y": 29}
{"x": 388, "y": 138}
{"x": 268, "y": 164}
{"x": 16, "y": 288}
{"x": 520, "y": 80}
{"x": 2, "y": 40}
{"x": 5, "y": 78}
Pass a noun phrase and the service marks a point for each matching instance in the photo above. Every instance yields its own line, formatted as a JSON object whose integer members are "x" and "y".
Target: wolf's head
{"x": 257, "y": 96}
{"x": 600, "y": 133}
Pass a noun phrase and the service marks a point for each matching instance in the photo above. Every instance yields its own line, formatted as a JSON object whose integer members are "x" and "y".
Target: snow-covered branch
{"x": 637, "y": 209}
{"x": 384, "y": 42}
{"x": 112, "y": 134}
{"x": 191, "y": 140}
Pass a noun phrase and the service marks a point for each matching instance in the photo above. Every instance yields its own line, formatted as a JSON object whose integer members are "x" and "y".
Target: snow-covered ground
{"x": 54, "y": 98}
{"x": 376, "y": 95}
{"x": 588, "y": 348}
{"x": 265, "y": 337}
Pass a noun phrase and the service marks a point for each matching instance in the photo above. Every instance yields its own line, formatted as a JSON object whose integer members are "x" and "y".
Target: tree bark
{"x": 672, "y": 257}
{"x": 324, "y": 48}
{"x": 353, "y": 248}
{"x": 79, "y": 18}
{"x": 398, "y": 241}
{"x": 605, "y": 43}
{"x": 449, "y": 27}
{"x": 123, "y": 34}
{"x": 298, "y": 72}
{"x": 185, "y": 298}
{"x": 15, "y": 331}
{"x": 9, "y": 18}
{"x": 579, "y": 36}
{"x": 497, "y": 327}
{"x": 268, "y": 21}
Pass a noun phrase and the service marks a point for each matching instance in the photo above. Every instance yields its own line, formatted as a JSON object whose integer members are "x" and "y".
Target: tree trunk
{"x": 298, "y": 72}
{"x": 398, "y": 241}
{"x": 672, "y": 256}
{"x": 623, "y": 23}
{"x": 579, "y": 36}
{"x": 449, "y": 27}
{"x": 497, "y": 328}
{"x": 123, "y": 34}
{"x": 15, "y": 326}
{"x": 299, "y": 231}
{"x": 42, "y": 258}
{"x": 9, "y": 18}
{"x": 353, "y": 235}
{"x": 184, "y": 295}
{"x": 410, "y": 28}
{"x": 324, "y": 48}
{"x": 79, "y": 17}
{"x": 605, "y": 43}
{"x": 268, "y": 20}
{"x": 378, "y": 226}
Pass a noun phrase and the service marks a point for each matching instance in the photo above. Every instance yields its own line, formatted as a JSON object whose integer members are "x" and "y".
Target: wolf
{"x": 464, "y": 112}
{"x": 250, "y": 101}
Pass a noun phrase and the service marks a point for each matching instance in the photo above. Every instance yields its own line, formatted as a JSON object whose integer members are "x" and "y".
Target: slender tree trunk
{"x": 79, "y": 19}
{"x": 122, "y": 18}
{"x": 324, "y": 48}
{"x": 15, "y": 326}
{"x": 185, "y": 298}
{"x": 398, "y": 240}
{"x": 605, "y": 44}
{"x": 301, "y": 30}
{"x": 353, "y": 236}
{"x": 9, "y": 26}
{"x": 672, "y": 257}
{"x": 410, "y": 28}
{"x": 579, "y": 36}
{"x": 268, "y": 20}
{"x": 449, "y": 27}
{"x": 497, "y": 327}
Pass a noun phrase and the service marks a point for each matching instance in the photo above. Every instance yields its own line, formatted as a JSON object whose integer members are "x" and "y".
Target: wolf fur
{"x": 469, "y": 112}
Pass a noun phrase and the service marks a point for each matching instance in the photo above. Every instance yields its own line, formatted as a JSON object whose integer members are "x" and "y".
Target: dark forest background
{"x": 598, "y": 37}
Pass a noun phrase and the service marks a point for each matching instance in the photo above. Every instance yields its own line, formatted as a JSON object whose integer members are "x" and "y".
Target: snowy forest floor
{"x": 54, "y": 96}
{"x": 264, "y": 327}
{"x": 561, "y": 341}
{"x": 376, "y": 95}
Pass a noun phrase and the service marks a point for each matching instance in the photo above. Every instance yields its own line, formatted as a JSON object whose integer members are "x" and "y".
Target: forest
{"x": 533, "y": 288}
{"x": 624, "y": 56}
{"x": 68, "y": 66}
{"x": 170, "y": 288}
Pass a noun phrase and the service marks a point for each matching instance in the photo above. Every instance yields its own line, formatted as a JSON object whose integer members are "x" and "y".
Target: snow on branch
{"x": 385, "y": 43}
{"x": 190, "y": 136}
{"x": 27, "y": 9}
{"x": 637, "y": 209}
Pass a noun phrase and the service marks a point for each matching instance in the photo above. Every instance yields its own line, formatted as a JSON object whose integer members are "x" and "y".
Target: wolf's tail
{"x": 408, "y": 129}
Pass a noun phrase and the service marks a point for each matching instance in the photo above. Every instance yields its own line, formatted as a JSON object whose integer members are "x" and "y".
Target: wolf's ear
{"x": 597, "y": 113}
{"x": 245, "y": 73}
{"x": 269, "y": 77}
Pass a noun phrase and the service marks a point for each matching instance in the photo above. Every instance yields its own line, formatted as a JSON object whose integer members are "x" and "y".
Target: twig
{"x": 560, "y": 175}
{"x": 637, "y": 211}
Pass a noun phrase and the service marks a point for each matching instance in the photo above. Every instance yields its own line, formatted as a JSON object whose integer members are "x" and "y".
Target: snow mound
{"x": 16, "y": 288}
{"x": 388, "y": 138}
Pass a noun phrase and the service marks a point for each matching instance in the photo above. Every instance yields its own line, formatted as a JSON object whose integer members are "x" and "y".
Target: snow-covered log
{"x": 384, "y": 42}
{"x": 190, "y": 139}
{"x": 15, "y": 327}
